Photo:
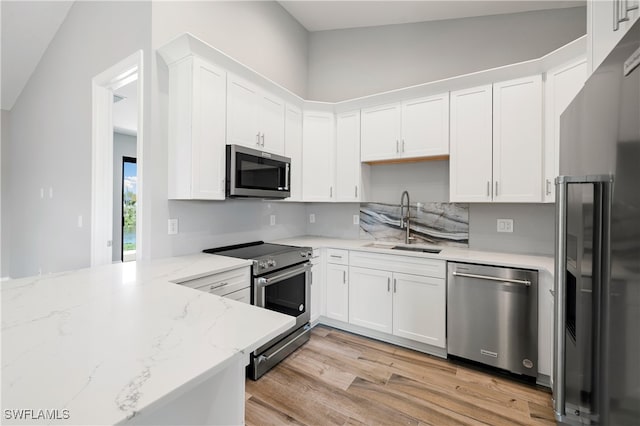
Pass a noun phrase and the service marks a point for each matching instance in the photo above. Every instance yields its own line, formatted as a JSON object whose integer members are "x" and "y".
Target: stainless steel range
{"x": 281, "y": 280}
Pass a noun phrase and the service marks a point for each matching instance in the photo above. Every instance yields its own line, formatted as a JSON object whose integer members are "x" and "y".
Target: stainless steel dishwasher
{"x": 492, "y": 316}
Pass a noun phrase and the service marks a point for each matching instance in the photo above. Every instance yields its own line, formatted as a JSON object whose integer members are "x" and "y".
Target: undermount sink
{"x": 420, "y": 249}
{"x": 388, "y": 246}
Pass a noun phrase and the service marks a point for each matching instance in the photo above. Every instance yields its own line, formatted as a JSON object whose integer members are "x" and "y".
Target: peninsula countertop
{"x": 109, "y": 342}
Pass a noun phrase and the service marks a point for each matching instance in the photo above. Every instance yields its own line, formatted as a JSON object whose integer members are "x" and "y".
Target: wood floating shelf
{"x": 407, "y": 160}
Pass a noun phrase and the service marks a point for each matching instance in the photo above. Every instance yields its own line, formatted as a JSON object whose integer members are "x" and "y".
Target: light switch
{"x": 173, "y": 226}
{"x": 312, "y": 218}
{"x": 272, "y": 219}
{"x": 356, "y": 219}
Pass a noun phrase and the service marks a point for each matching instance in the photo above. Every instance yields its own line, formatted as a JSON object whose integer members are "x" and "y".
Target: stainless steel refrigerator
{"x": 596, "y": 377}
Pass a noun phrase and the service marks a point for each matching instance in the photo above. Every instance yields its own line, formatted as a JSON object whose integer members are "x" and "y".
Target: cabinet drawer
{"x": 223, "y": 283}
{"x": 405, "y": 264}
{"x": 337, "y": 256}
{"x": 243, "y": 295}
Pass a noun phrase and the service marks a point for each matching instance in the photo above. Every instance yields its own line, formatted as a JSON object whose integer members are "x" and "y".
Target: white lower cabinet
{"x": 370, "y": 299}
{"x": 337, "y": 292}
{"x": 419, "y": 308}
{"x": 316, "y": 285}
{"x": 387, "y": 295}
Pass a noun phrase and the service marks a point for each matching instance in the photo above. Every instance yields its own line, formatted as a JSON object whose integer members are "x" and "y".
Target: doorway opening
{"x": 106, "y": 211}
{"x": 128, "y": 209}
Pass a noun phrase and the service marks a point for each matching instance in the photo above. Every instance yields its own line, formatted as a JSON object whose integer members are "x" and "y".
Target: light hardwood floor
{"x": 338, "y": 378}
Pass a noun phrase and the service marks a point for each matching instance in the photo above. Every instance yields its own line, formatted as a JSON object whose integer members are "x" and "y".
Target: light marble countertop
{"x": 108, "y": 342}
{"x": 455, "y": 254}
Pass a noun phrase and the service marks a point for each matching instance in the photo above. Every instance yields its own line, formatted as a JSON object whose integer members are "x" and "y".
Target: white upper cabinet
{"x": 380, "y": 133}
{"x": 293, "y": 149}
{"x": 517, "y": 140}
{"x": 255, "y": 119}
{"x": 425, "y": 127}
{"x": 470, "y": 161}
{"x": 496, "y": 142}
{"x": 411, "y": 129}
{"x": 272, "y": 116}
{"x": 562, "y": 85}
{"x": 197, "y": 119}
{"x": 348, "y": 167}
{"x": 242, "y": 113}
{"x": 607, "y": 22}
{"x": 318, "y": 156}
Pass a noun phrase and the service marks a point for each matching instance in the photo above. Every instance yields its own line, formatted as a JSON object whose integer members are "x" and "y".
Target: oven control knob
{"x": 262, "y": 264}
{"x": 304, "y": 254}
{"x": 271, "y": 262}
{"x": 309, "y": 253}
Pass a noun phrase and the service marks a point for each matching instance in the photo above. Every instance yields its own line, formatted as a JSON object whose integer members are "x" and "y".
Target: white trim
{"x": 103, "y": 86}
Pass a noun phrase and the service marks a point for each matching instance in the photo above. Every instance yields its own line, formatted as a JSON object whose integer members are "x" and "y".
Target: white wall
{"x": 263, "y": 36}
{"x": 333, "y": 220}
{"x": 345, "y": 64}
{"x": 123, "y": 146}
{"x": 259, "y": 34}
{"x": 425, "y": 181}
{"x": 5, "y": 229}
{"x": 50, "y": 140}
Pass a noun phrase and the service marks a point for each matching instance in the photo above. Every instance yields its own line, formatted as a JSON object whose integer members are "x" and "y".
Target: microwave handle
{"x": 286, "y": 176}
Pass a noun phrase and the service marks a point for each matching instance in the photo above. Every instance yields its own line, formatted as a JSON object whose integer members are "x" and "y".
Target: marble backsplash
{"x": 444, "y": 224}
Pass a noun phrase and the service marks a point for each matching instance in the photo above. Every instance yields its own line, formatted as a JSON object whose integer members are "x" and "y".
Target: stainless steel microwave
{"x": 257, "y": 174}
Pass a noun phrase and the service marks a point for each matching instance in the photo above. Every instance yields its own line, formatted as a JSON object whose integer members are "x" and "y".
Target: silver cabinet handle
{"x": 311, "y": 277}
{"x": 548, "y": 187}
{"x": 496, "y": 193}
{"x": 397, "y": 146}
{"x": 356, "y": 191}
{"x": 263, "y": 140}
{"x": 388, "y": 285}
{"x": 395, "y": 286}
{"x": 214, "y": 286}
{"x": 331, "y": 192}
{"x": 258, "y": 139}
{"x": 335, "y": 256}
{"x": 488, "y": 189}
{"x": 489, "y": 278}
{"x": 344, "y": 277}
{"x": 402, "y": 145}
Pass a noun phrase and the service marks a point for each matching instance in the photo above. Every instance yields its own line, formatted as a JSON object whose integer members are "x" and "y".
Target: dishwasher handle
{"x": 490, "y": 278}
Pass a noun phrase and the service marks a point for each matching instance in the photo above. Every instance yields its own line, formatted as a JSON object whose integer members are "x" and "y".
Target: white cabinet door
{"x": 348, "y": 156}
{"x": 243, "y": 113}
{"x": 380, "y": 133}
{"x": 197, "y": 123}
{"x": 517, "y": 140}
{"x": 470, "y": 161}
{"x": 562, "y": 85}
{"x": 419, "y": 308}
{"x": 603, "y": 33}
{"x": 370, "y": 299}
{"x": 316, "y": 286}
{"x": 337, "y": 292}
{"x": 293, "y": 149}
{"x": 318, "y": 143}
{"x": 425, "y": 127}
{"x": 272, "y": 116}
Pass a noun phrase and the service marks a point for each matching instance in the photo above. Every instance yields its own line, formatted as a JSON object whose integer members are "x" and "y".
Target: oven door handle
{"x": 264, "y": 282}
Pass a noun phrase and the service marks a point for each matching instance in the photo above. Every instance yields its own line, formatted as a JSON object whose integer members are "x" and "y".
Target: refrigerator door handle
{"x": 559, "y": 342}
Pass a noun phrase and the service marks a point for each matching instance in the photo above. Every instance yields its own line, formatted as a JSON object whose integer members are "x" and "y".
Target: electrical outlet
{"x": 172, "y": 227}
{"x": 356, "y": 219}
{"x": 41, "y": 192}
{"x": 51, "y": 192}
{"x": 79, "y": 221}
{"x": 312, "y": 218}
{"x": 505, "y": 225}
{"x": 272, "y": 219}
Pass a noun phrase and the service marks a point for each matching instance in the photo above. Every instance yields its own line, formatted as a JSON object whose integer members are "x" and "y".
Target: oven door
{"x": 285, "y": 291}
{"x": 253, "y": 173}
